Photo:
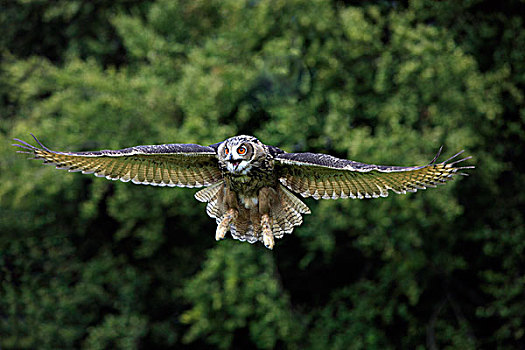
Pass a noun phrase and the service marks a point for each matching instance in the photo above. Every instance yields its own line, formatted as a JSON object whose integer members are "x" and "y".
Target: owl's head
{"x": 239, "y": 154}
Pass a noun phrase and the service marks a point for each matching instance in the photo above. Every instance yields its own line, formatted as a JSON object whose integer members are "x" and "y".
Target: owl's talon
{"x": 220, "y": 233}
{"x": 267, "y": 233}
{"x": 224, "y": 225}
{"x": 268, "y": 240}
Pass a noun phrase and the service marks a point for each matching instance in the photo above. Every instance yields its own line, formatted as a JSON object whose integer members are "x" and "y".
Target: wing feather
{"x": 183, "y": 165}
{"x": 349, "y": 185}
{"x": 324, "y": 176}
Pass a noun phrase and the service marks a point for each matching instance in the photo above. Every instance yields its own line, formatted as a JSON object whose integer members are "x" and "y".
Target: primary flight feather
{"x": 249, "y": 185}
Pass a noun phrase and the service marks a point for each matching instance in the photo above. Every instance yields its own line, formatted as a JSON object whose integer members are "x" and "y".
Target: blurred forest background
{"x": 94, "y": 264}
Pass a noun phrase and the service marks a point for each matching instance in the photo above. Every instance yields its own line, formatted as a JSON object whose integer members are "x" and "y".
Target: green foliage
{"x": 238, "y": 288}
{"x": 88, "y": 263}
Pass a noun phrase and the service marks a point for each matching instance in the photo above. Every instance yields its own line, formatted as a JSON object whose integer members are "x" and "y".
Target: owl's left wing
{"x": 183, "y": 165}
{"x": 327, "y": 177}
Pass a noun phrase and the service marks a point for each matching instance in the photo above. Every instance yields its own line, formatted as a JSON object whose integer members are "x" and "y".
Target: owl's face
{"x": 237, "y": 154}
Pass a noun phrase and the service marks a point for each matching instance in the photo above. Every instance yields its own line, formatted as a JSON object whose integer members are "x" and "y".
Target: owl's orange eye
{"x": 226, "y": 150}
{"x": 241, "y": 150}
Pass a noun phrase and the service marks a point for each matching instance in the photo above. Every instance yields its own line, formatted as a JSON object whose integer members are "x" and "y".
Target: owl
{"x": 251, "y": 189}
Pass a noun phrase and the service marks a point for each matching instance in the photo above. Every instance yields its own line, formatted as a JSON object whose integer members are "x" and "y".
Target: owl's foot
{"x": 224, "y": 225}
{"x": 268, "y": 239}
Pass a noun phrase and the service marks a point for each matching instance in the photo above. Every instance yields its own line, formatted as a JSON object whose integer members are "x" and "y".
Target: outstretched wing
{"x": 324, "y": 176}
{"x": 183, "y": 165}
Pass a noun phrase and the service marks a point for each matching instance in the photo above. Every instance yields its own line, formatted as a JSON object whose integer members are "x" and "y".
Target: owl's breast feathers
{"x": 248, "y": 185}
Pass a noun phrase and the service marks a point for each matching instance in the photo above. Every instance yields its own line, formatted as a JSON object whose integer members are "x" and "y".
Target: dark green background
{"x": 94, "y": 264}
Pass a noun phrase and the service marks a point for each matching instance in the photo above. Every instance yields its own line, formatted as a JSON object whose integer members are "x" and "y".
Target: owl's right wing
{"x": 327, "y": 177}
{"x": 182, "y": 165}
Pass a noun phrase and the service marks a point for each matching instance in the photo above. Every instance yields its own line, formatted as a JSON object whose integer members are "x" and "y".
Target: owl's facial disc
{"x": 238, "y": 161}
{"x": 237, "y": 156}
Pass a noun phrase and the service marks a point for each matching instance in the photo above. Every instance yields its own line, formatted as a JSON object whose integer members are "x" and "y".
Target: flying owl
{"x": 250, "y": 187}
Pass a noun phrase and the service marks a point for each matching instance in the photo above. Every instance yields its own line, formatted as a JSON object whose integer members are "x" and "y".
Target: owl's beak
{"x": 234, "y": 162}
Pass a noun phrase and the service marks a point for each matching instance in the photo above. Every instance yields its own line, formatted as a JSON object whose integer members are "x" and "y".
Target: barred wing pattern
{"x": 327, "y": 177}
{"x": 182, "y": 165}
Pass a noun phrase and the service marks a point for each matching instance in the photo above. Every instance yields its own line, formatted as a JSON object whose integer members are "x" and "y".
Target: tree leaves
{"x": 89, "y": 263}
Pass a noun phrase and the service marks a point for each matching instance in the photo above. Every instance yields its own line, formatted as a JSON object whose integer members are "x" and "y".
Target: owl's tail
{"x": 286, "y": 213}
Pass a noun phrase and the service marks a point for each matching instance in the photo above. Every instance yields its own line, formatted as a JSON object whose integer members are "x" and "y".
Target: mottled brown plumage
{"x": 249, "y": 185}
